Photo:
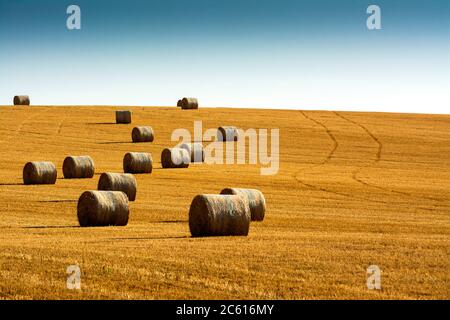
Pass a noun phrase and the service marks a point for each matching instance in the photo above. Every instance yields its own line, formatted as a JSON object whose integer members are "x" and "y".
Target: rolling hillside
{"x": 353, "y": 189}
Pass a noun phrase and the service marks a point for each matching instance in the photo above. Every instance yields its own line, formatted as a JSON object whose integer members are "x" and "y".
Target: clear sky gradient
{"x": 288, "y": 54}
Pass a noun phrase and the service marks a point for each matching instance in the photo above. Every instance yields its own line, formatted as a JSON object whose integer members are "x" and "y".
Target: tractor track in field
{"x": 85, "y": 141}
{"x": 377, "y": 159}
{"x": 329, "y": 157}
{"x": 324, "y": 162}
{"x": 19, "y": 128}
{"x": 68, "y": 137}
{"x": 332, "y": 137}
{"x": 60, "y": 126}
{"x": 372, "y": 136}
{"x": 16, "y": 132}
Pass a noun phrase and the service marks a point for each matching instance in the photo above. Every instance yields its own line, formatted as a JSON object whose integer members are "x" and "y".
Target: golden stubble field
{"x": 354, "y": 189}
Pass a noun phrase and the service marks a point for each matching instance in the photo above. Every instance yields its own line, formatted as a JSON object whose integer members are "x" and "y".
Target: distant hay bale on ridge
{"x": 137, "y": 162}
{"x": 189, "y": 103}
{"x": 227, "y": 133}
{"x": 219, "y": 215}
{"x": 78, "y": 167}
{"x": 196, "y": 151}
{"x": 254, "y": 198}
{"x": 103, "y": 208}
{"x": 21, "y": 100}
{"x": 142, "y": 134}
{"x": 175, "y": 158}
{"x": 124, "y": 182}
{"x": 39, "y": 173}
{"x": 123, "y": 116}
{"x": 179, "y": 103}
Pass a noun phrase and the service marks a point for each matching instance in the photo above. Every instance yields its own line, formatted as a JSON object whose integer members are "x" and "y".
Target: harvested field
{"x": 353, "y": 190}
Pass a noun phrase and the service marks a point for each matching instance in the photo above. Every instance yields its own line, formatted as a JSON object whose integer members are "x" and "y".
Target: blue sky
{"x": 232, "y": 53}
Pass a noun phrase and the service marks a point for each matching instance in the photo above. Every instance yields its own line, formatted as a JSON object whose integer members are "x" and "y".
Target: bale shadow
{"x": 74, "y": 179}
{"x": 12, "y": 184}
{"x": 114, "y": 142}
{"x": 57, "y": 201}
{"x": 168, "y": 169}
{"x": 148, "y": 238}
{"x": 100, "y": 123}
{"x": 173, "y": 221}
{"x": 50, "y": 227}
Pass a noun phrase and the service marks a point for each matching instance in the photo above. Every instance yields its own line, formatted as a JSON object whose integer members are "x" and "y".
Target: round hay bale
{"x": 227, "y": 133}
{"x": 103, "y": 208}
{"x": 195, "y": 150}
{"x": 124, "y": 182}
{"x": 142, "y": 134}
{"x": 78, "y": 167}
{"x": 21, "y": 100}
{"x": 137, "y": 162}
{"x": 189, "y": 103}
{"x": 123, "y": 116}
{"x": 219, "y": 215}
{"x": 254, "y": 198}
{"x": 175, "y": 158}
{"x": 39, "y": 173}
{"x": 179, "y": 103}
